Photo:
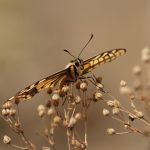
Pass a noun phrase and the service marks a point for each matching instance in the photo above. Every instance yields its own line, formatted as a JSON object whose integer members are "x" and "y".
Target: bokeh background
{"x": 33, "y": 34}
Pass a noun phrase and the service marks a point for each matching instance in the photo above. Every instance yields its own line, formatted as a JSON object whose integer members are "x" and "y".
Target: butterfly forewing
{"x": 102, "y": 58}
{"x": 35, "y": 88}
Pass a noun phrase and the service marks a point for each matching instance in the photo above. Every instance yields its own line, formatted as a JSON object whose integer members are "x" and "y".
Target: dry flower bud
{"x": 41, "y": 108}
{"x": 65, "y": 88}
{"x": 6, "y": 139}
{"x": 51, "y": 111}
{"x": 77, "y": 99}
{"x": 78, "y": 144}
{"x": 110, "y": 103}
{"x": 99, "y": 79}
{"x": 98, "y": 96}
{"x": 78, "y": 116}
{"x": 140, "y": 114}
{"x": 126, "y": 90}
{"x": 17, "y": 125}
{"x": 7, "y": 105}
{"x": 48, "y": 104}
{"x": 46, "y": 148}
{"x": 127, "y": 125}
{"x": 137, "y": 70}
{"x": 41, "y": 113}
{"x": 115, "y": 111}
{"x": 5, "y": 112}
{"x": 12, "y": 112}
{"x": 83, "y": 86}
{"x": 55, "y": 97}
{"x": 106, "y": 112}
{"x": 111, "y": 131}
{"x": 145, "y": 55}
{"x": 123, "y": 83}
{"x": 117, "y": 104}
{"x": 72, "y": 122}
{"x": 78, "y": 85}
{"x": 49, "y": 90}
{"x": 65, "y": 123}
{"x": 57, "y": 119}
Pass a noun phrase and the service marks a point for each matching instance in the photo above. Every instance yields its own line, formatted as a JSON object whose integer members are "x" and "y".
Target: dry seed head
{"x": 77, "y": 144}
{"x": 106, "y": 112}
{"x": 115, "y": 111}
{"x": 48, "y": 104}
{"x": 99, "y": 79}
{"x": 140, "y": 114}
{"x": 83, "y": 86}
{"x": 111, "y": 131}
{"x": 65, "y": 88}
{"x": 78, "y": 116}
{"x": 5, "y": 112}
{"x": 110, "y": 103}
{"x": 51, "y": 111}
{"x": 6, "y": 139}
{"x": 65, "y": 123}
{"x": 17, "y": 125}
{"x": 126, "y": 90}
{"x": 55, "y": 97}
{"x": 41, "y": 113}
{"x": 72, "y": 122}
{"x": 145, "y": 55}
{"x": 12, "y": 112}
{"x": 7, "y": 105}
{"x": 57, "y": 119}
{"x": 41, "y": 108}
{"x": 46, "y": 148}
{"x": 98, "y": 95}
{"x": 77, "y": 99}
{"x": 78, "y": 85}
{"x": 49, "y": 90}
{"x": 117, "y": 104}
{"x": 123, "y": 83}
{"x": 137, "y": 70}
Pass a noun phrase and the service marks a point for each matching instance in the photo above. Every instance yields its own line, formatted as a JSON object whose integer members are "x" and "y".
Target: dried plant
{"x": 67, "y": 107}
{"x": 138, "y": 96}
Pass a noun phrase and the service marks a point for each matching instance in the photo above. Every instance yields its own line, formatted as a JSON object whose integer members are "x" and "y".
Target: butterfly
{"x": 76, "y": 69}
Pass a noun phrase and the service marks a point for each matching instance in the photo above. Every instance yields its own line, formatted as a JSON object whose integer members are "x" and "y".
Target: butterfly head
{"x": 76, "y": 62}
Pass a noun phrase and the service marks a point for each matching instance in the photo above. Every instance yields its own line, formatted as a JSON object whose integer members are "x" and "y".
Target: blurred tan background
{"x": 33, "y": 35}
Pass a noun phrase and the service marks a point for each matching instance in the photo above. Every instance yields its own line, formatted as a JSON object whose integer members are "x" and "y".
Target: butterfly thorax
{"x": 75, "y": 69}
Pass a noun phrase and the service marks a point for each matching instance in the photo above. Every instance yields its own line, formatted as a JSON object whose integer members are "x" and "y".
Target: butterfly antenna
{"x": 65, "y": 50}
{"x": 85, "y": 45}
